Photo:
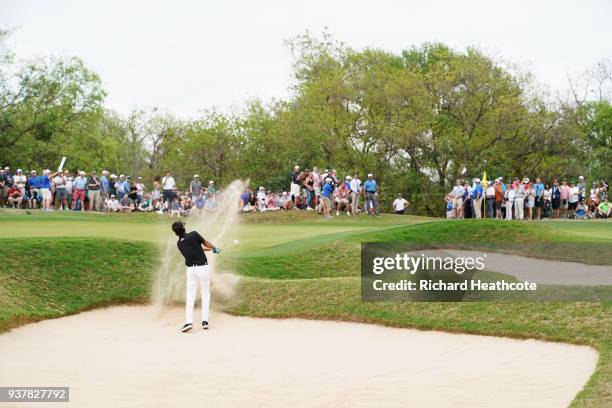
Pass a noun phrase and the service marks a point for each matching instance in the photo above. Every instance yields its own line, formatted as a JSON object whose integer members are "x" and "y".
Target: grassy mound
{"x": 43, "y": 278}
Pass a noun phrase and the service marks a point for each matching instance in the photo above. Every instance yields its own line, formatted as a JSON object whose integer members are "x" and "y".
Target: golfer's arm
{"x": 207, "y": 246}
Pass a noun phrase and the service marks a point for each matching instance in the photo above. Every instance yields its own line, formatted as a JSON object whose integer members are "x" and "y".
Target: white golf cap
{"x": 33, "y": 171}
{"x": 211, "y": 182}
{"x": 81, "y": 172}
{"x": 195, "y": 176}
{"x": 113, "y": 176}
{"x": 261, "y": 188}
{"x": 284, "y": 193}
{"x": 349, "y": 178}
{"x": 139, "y": 178}
{"x": 7, "y": 168}
{"x": 328, "y": 179}
{"x": 476, "y": 180}
{"x": 370, "y": 175}
{"x": 526, "y": 180}
{"x": 581, "y": 177}
{"x": 18, "y": 170}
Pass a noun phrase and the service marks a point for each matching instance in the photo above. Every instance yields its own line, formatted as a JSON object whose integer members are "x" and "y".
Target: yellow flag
{"x": 484, "y": 180}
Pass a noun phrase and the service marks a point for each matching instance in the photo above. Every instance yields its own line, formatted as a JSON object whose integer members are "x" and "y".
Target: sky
{"x": 183, "y": 56}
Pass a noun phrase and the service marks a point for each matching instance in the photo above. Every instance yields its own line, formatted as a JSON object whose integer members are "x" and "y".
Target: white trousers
{"x": 519, "y": 210}
{"x": 509, "y": 209}
{"x": 197, "y": 274}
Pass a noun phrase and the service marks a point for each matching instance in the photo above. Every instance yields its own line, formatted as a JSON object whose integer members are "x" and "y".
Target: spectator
{"x": 78, "y": 194}
{"x": 295, "y": 186}
{"x": 308, "y": 183}
{"x": 604, "y": 208}
{"x": 61, "y": 196}
{"x": 35, "y": 185}
{"x": 371, "y": 192}
{"x": 168, "y": 184}
{"x": 499, "y": 188}
{"x": 14, "y": 196}
{"x": 112, "y": 205}
{"x": 574, "y": 197}
{"x": 285, "y": 201}
{"x": 400, "y": 204}
{"x": 140, "y": 190}
{"x": 510, "y": 198}
{"x": 125, "y": 204}
{"x": 582, "y": 211}
{"x": 556, "y": 198}
{"x": 211, "y": 188}
{"x": 538, "y": 192}
{"x": 490, "y": 199}
{"x": 317, "y": 183}
{"x": 195, "y": 187}
{"x": 342, "y": 199}
{"x": 565, "y": 190}
{"x": 104, "y": 188}
{"x": 476, "y": 195}
{"x": 547, "y": 199}
{"x": 581, "y": 187}
{"x": 356, "y": 189}
{"x": 20, "y": 180}
{"x": 458, "y": 193}
{"x": 93, "y": 191}
{"x": 261, "y": 199}
{"x": 519, "y": 200}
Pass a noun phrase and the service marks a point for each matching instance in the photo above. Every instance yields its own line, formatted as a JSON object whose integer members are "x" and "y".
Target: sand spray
{"x": 222, "y": 228}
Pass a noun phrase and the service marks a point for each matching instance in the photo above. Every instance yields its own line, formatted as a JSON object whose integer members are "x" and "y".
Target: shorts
{"x": 61, "y": 194}
{"x": 295, "y": 190}
{"x": 556, "y": 203}
{"x": 564, "y": 204}
{"x": 458, "y": 202}
{"x": 538, "y": 202}
{"x": 325, "y": 201}
{"x": 46, "y": 193}
{"x": 498, "y": 205}
{"x": 317, "y": 191}
{"x": 572, "y": 206}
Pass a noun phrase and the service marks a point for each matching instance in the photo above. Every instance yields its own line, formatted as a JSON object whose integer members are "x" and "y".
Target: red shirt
{"x": 14, "y": 192}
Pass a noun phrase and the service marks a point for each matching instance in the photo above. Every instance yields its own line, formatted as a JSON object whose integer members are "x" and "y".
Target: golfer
{"x": 192, "y": 245}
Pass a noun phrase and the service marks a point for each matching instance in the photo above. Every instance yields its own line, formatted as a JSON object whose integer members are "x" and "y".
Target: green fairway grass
{"x": 299, "y": 265}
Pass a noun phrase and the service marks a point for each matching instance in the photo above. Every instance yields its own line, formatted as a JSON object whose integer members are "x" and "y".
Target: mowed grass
{"x": 299, "y": 265}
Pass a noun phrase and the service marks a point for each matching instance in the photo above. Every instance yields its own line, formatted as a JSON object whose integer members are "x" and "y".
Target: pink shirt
{"x": 565, "y": 192}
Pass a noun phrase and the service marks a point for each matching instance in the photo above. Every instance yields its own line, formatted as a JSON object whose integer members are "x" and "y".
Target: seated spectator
{"x": 125, "y": 204}
{"x": 112, "y": 205}
{"x": 145, "y": 204}
{"x": 285, "y": 201}
{"x": 261, "y": 199}
{"x": 582, "y": 211}
{"x": 604, "y": 209}
{"x": 211, "y": 203}
{"x": 271, "y": 202}
{"x": 176, "y": 208}
{"x": 15, "y": 197}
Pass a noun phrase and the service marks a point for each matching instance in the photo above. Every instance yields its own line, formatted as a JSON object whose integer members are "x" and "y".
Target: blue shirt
{"x": 327, "y": 190}
{"x": 539, "y": 189}
{"x": 477, "y": 190}
{"x": 104, "y": 184}
{"x": 370, "y": 186}
{"x": 80, "y": 183}
{"x": 45, "y": 181}
{"x": 35, "y": 182}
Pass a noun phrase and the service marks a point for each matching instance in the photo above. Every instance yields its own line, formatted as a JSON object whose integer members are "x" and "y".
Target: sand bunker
{"x": 135, "y": 357}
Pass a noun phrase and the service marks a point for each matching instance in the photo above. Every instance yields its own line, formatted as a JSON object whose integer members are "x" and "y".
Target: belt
{"x": 192, "y": 265}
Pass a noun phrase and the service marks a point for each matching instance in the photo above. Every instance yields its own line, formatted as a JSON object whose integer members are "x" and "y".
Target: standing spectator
{"x": 140, "y": 190}
{"x": 510, "y": 198}
{"x": 104, "y": 188}
{"x": 317, "y": 184}
{"x": 458, "y": 192}
{"x": 371, "y": 191}
{"x": 581, "y": 188}
{"x": 20, "y": 180}
{"x": 538, "y": 190}
{"x": 530, "y": 200}
{"x": 574, "y": 197}
{"x": 69, "y": 188}
{"x": 157, "y": 194}
{"x": 168, "y": 184}
{"x": 490, "y": 199}
{"x": 400, "y": 204}
{"x": 556, "y": 198}
{"x": 112, "y": 180}
{"x": 195, "y": 187}
{"x": 476, "y": 195}
{"x": 45, "y": 189}
{"x": 326, "y": 196}
{"x": 309, "y": 188}
{"x": 547, "y": 198}
{"x": 35, "y": 184}
{"x": 593, "y": 197}
{"x": 565, "y": 190}
{"x": 3, "y": 188}
{"x": 519, "y": 200}
{"x": 78, "y": 194}
{"x": 93, "y": 191}
{"x": 295, "y": 186}
{"x": 499, "y": 197}
{"x": 61, "y": 196}
{"x": 211, "y": 188}
{"x": 120, "y": 187}
{"x": 355, "y": 186}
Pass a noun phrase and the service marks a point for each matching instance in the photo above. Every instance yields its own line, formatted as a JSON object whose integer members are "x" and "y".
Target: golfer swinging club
{"x": 192, "y": 246}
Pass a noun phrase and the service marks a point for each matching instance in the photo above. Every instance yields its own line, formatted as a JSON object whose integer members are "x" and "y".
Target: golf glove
{"x": 216, "y": 250}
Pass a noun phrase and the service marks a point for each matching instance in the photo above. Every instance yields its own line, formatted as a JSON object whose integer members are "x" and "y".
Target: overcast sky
{"x": 182, "y": 56}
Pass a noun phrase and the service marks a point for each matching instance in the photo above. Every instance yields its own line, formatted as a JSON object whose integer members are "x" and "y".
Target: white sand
{"x": 133, "y": 357}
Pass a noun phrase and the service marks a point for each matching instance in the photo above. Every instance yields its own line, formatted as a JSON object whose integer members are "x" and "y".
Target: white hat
{"x": 121, "y": 175}
{"x": 349, "y": 178}
{"x": 139, "y": 178}
{"x": 195, "y": 176}
{"x": 46, "y": 171}
{"x": 476, "y": 180}
{"x": 328, "y": 179}
{"x": 526, "y": 180}
{"x": 581, "y": 177}
{"x": 370, "y": 175}
{"x": 211, "y": 182}
{"x": 7, "y": 168}
{"x": 18, "y": 170}
{"x": 33, "y": 171}
{"x": 113, "y": 176}
{"x": 284, "y": 193}
{"x": 261, "y": 188}
{"x": 82, "y": 173}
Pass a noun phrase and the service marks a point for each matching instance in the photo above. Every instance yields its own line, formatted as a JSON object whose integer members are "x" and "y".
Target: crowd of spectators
{"x": 522, "y": 199}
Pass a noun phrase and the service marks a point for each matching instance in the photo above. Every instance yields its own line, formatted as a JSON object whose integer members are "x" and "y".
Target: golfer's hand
{"x": 216, "y": 250}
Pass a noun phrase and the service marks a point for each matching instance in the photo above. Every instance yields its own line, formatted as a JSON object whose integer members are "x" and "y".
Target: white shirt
{"x": 458, "y": 191}
{"x": 355, "y": 185}
{"x": 399, "y": 204}
{"x": 511, "y": 194}
{"x": 20, "y": 180}
{"x": 573, "y": 194}
{"x": 112, "y": 203}
{"x": 168, "y": 183}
